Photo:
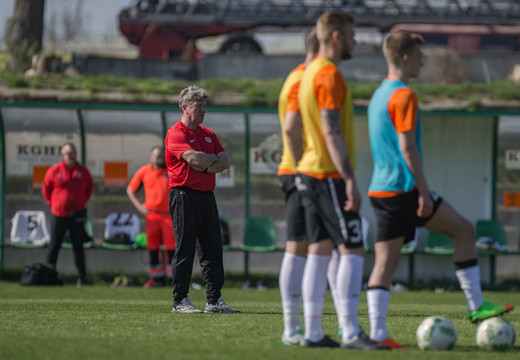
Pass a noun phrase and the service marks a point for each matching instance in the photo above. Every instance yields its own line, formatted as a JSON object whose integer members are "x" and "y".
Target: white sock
{"x": 314, "y": 288}
{"x": 290, "y": 283}
{"x": 377, "y": 300}
{"x": 469, "y": 280}
{"x": 332, "y": 273}
{"x": 348, "y": 284}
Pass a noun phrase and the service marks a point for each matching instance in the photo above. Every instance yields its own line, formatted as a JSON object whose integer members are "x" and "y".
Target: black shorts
{"x": 396, "y": 216}
{"x": 325, "y": 217}
{"x": 294, "y": 211}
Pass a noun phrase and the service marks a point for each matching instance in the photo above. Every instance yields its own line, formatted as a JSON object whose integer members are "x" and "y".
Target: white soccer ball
{"x": 496, "y": 333}
{"x": 436, "y": 333}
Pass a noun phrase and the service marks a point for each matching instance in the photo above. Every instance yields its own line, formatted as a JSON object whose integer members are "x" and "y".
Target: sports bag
{"x": 39, "y": 274}
{"x": 119, "y": 238}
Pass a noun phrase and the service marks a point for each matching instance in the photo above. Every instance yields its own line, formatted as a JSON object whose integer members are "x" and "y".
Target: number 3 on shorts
{"x": 355, "y": 234}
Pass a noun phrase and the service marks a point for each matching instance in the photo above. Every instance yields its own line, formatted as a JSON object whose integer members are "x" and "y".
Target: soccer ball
{"x": 495, "y": 333}
{"x": 436, "y": 333}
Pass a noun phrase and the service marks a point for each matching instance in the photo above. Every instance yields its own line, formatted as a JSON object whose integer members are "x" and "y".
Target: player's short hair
{"x": 311, "y": 41}
{"x": 400, "y": 43}
{"x": 192, "y": 94}
{"x": 331, "y": 21}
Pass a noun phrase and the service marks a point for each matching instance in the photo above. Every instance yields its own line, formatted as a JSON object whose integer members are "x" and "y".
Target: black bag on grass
{"x": 39, "y": 274}
{"x": 120, "y": 238}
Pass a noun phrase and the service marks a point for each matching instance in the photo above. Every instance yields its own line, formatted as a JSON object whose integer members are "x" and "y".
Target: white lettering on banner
{"x": 513, "y": 159}
{"x": 226, "y": 178}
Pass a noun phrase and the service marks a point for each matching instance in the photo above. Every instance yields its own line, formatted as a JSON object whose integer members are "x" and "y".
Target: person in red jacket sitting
{"x": 67, "y": 187}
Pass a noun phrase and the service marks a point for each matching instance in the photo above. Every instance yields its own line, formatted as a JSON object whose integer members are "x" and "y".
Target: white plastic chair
{"x": 117, "y": 224}
{"x": 30, "y": 229}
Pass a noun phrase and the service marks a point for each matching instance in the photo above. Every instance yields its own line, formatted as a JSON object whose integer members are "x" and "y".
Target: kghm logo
{"x": 37, "y": 150}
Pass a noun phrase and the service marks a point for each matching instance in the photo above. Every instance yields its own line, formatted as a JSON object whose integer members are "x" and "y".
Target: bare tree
{"x": 51, "y": 33}
{"x": 64, "y": 23}
{"x": 73, "y": 22}
{"x": 25, "y": 32}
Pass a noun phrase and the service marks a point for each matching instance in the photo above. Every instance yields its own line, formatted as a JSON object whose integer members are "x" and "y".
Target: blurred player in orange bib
{"x": 325, "y": 179}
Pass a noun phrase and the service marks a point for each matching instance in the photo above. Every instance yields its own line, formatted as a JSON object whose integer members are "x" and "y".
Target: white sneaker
{"x": 296, "y": 339}
{"x": 219, "y": 307}
{"x": 185, "y": 306}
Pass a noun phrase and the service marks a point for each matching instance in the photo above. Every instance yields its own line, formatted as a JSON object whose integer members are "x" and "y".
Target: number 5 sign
{"x": 513, "y": 159}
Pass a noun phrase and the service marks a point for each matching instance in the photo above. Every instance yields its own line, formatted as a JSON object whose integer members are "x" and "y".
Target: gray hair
{"x": 192, "y": 94}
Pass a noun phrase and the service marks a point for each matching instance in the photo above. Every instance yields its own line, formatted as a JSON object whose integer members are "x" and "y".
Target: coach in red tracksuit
{"x": 193, "y": 156}
{"x": 67, "y": 187}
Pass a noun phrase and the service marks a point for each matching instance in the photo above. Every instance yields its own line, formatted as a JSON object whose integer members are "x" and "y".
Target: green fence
{"x": 31, "y": 134}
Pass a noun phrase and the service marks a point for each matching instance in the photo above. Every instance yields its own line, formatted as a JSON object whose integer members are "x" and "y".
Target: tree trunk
{"x": 25, "y": 33}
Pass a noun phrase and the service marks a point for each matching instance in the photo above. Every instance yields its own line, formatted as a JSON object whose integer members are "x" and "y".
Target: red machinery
{"x": 167, "y": 29}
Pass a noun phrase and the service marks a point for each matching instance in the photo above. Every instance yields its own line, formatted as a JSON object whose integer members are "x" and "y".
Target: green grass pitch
{"x": 101, "y": 322}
